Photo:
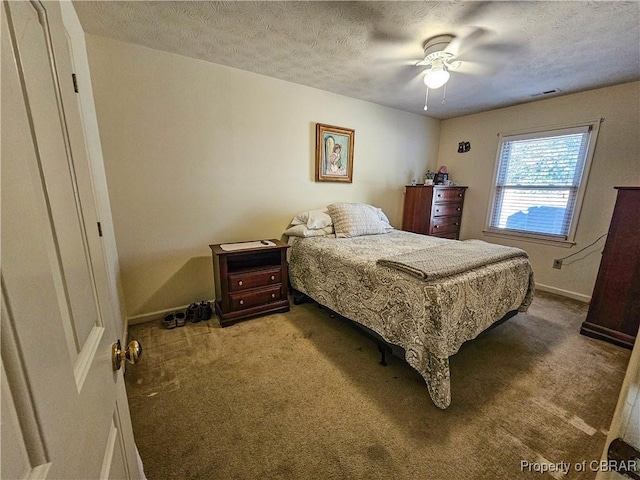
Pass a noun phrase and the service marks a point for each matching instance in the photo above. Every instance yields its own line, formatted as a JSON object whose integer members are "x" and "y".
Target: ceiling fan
{"x": 439, "y": 59}
{"x": 440, "y": 55}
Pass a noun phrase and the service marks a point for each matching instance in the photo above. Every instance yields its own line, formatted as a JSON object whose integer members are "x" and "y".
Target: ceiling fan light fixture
{"x": 436, "y": 77}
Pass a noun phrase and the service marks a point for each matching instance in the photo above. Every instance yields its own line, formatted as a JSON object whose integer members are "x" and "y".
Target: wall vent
{"x": 546, "y": 92}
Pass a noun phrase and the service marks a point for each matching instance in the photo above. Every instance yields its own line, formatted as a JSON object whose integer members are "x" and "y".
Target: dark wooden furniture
{"x": 250, "y": 282}
{"x": 433, "y": 210}
{"x": 614, "y": 313}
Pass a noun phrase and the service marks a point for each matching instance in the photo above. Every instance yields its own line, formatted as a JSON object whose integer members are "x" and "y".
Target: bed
{"x": 366, "y": 278}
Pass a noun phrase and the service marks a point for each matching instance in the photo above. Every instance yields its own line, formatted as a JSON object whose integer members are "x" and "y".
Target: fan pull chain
{"x": 426, "y": 99}
{"x": 444, "y": 94}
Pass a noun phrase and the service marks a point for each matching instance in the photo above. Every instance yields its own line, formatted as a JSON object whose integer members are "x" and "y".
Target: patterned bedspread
{"x": 430, "y": 319}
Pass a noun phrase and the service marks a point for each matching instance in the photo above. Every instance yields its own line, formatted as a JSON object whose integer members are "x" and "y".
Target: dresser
{"x": 614, "y": 312}
{"x": 433, "y": 210}
{"x": 250, "y": 281}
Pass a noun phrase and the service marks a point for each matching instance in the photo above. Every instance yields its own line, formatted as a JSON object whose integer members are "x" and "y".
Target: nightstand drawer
{"x": 448, "y": 194}
{"x": 442, "y": 225}
{"x": 256, "y": 278}
{"x": 447, "y": 209}
{"x": 251, "y": 298}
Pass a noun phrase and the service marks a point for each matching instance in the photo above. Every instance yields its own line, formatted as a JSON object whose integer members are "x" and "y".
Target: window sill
{"x": 529, "y": 238}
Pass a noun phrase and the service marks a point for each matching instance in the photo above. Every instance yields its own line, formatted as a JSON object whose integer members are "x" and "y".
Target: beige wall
{"x": 616, "y": 162}
{"x": 197, "y": 153}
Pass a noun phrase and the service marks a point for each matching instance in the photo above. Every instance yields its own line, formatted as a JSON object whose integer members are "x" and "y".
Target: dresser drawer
{"x": 447, "y": 209}
{"x": 448, "y": 194}
{"x": 255, "y": 278}
{"x": 441, "y": 225}
{"x": 251, "y": 298}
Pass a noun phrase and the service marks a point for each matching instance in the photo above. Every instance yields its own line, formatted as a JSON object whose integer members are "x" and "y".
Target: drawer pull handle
{"x": 457, "y": 224}
{"x": 436, "y": 226}
{"x": 273, "y": 295}
{"x": 240, "y": 283}
{"x": 273, "y": 277}
{"x": 437, "y": 210}
{"x": 439, "y": 195}
{"x": 459, "y": 194}
{"x": 241, "y": 302}
{"x": 458, "y": 209}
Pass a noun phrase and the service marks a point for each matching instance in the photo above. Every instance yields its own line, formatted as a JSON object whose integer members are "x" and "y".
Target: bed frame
{"x": 384, "y": 347}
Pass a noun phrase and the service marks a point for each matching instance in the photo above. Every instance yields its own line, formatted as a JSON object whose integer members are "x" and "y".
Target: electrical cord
{"x": 584, "y": 248}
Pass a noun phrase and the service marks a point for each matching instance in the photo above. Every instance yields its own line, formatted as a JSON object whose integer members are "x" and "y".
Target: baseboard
{"x": 151, "y": 316}
{"x": 564, "y": 293}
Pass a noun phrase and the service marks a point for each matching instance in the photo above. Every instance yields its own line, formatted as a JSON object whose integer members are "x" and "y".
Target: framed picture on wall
{"x": 334, "y": 153}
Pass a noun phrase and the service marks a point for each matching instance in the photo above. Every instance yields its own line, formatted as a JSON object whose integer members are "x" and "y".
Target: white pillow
{"x": 313, "y": 219}
{"x": 383, "y": 217}
{"x": 303, "y": 231}
{"x": 356, "y": 219}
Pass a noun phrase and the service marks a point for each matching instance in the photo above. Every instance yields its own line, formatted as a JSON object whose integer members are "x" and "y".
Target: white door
{"x": 64, "y": 412}
{"x": 625, "y": 424}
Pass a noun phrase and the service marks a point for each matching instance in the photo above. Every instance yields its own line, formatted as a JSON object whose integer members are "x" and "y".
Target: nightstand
{"x": 249, "y": 281}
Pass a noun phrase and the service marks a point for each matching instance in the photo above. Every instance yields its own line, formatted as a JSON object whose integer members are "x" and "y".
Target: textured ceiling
{"x": 367, "y": 50}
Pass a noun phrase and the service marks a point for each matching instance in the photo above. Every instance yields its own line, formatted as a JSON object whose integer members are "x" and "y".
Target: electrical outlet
{"x": 557, "y": 264}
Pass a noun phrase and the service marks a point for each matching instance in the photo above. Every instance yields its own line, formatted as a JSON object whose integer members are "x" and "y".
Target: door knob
{"x": 131, "y": 354}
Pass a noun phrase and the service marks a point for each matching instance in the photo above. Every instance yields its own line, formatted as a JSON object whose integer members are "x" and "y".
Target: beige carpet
{"x": 300, "y": 395}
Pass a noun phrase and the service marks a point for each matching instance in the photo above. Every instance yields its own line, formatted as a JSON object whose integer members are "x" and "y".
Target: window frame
{"x": 538, "y": 132}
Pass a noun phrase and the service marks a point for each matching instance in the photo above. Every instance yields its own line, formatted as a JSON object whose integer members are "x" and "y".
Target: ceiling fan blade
{"x": 506, "y": 48}
{"x": 454, "y": 47}
{"x": 379, "y": 34}
{"x": 466, "y": 40}
{"x": 375, "y": 18}
{"x": 400, "y": 75}
{"x": 475, "y": 68}
{"x": 415, "y": 81}
{"x": 472, "y": 11}
{"x": 422, "y": 63}
{"x": 490, "y": 58}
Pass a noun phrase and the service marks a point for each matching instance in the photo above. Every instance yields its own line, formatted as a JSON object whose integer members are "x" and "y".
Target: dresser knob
{"x": 458, "y": 209}
{"x": 273, "y": 295}
{"x": 241, "y": 302}
{"x": 439, "y": 195}
{"x": 457, "y": 224}
{"x": 273, "y": 277}
{"x": 437, "y": 210}
{"x": 240, "y": 283}
{"x": 459, "y": 194}
{"x": 436, "y": 226}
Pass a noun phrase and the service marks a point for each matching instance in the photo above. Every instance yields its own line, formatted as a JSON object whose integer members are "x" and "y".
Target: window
{"x": 539, "y": 182}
